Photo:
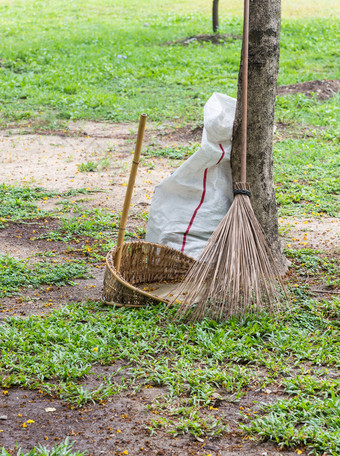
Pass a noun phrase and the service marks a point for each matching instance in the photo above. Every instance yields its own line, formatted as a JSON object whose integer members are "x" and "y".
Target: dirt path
{"x": 54, "y": 163}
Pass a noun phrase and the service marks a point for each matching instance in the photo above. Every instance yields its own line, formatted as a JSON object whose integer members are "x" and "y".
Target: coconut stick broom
{"x": 236, "y": 272}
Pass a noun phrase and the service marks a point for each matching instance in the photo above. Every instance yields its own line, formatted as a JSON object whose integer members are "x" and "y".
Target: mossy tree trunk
{"x": 264, "y": 52}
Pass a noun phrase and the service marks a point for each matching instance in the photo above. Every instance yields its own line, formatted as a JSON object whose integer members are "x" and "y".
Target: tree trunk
{"x": 264, "y": 52}
{"x": 215, "y": 16}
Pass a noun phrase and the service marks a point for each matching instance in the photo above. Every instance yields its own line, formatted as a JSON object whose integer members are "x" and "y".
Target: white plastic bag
{"x": 189, "y": 204}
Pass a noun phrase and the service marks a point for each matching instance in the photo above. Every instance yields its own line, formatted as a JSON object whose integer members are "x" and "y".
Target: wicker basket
{"x": 142, "y": 264}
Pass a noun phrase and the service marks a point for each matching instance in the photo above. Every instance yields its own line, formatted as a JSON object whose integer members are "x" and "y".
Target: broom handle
{"x": 129, "y": 190}
{"x": 245, "y": 92}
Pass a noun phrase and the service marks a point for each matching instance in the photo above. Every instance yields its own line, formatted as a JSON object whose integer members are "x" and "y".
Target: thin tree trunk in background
{"x": 264, "y": 52}
{"x": 215, "y": 16}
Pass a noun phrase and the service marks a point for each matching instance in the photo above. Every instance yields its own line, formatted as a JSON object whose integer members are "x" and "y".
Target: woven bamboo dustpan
{"x": 141, "y": 273}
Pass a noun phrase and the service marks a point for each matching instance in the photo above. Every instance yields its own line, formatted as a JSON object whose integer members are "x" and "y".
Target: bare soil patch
{"x": 43, "y": 300}
{"x": 120, "y": 424}
{"x": 216, "y": 38}
{"x": 182, "y": 135}
{"x": 322, "y": 233}
{"x": 21, "y": 240}
{"x": 323, "y": 89}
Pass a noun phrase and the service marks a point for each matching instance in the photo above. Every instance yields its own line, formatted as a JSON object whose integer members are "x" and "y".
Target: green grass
{"x": 307, "y": 180}
{"x": 311, "y": 112}
{"x": 95, "y": 223}
{"x": 309, "y": 262}
{"x": 310, "y": 421}
{"x": 94, "y": 229}
{"x": 54, "y": 71}
{"x": 307, "y": 160}
{"x": 56, "y": 353}
{"x": 17, "y": 274}
{"x": 173, "y": 152}
{"x": 20, "y": 203}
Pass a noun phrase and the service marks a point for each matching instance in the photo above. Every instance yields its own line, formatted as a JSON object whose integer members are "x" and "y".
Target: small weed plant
{"x": 63, "y": 449}
{"x": 88, "y": 167}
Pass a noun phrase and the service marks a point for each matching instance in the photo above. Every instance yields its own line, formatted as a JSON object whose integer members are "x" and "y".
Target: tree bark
{"x": 215, "y": 16}
{"x": 264, "y": 52}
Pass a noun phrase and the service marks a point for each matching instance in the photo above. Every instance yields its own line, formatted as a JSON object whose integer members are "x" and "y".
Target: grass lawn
{"x": 107, "y": 60}
{"x": 271, "y": 378}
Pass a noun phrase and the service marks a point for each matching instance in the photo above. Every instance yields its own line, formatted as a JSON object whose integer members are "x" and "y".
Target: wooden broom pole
{"x": 129, "y": 190}
{"x": 245, "y": 92}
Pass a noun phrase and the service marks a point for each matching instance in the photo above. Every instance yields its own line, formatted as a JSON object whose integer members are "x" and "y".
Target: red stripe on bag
{"x": 196, "y": 210}
{"x": 201, "y": 202}
{"x": 221, "y": 155}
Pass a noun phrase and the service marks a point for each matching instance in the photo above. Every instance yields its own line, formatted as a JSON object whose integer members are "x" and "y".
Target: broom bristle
{"x": 236, "y": 272}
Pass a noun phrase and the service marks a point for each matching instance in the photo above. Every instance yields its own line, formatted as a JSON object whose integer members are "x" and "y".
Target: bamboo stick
{"x": 129, "y": 190}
